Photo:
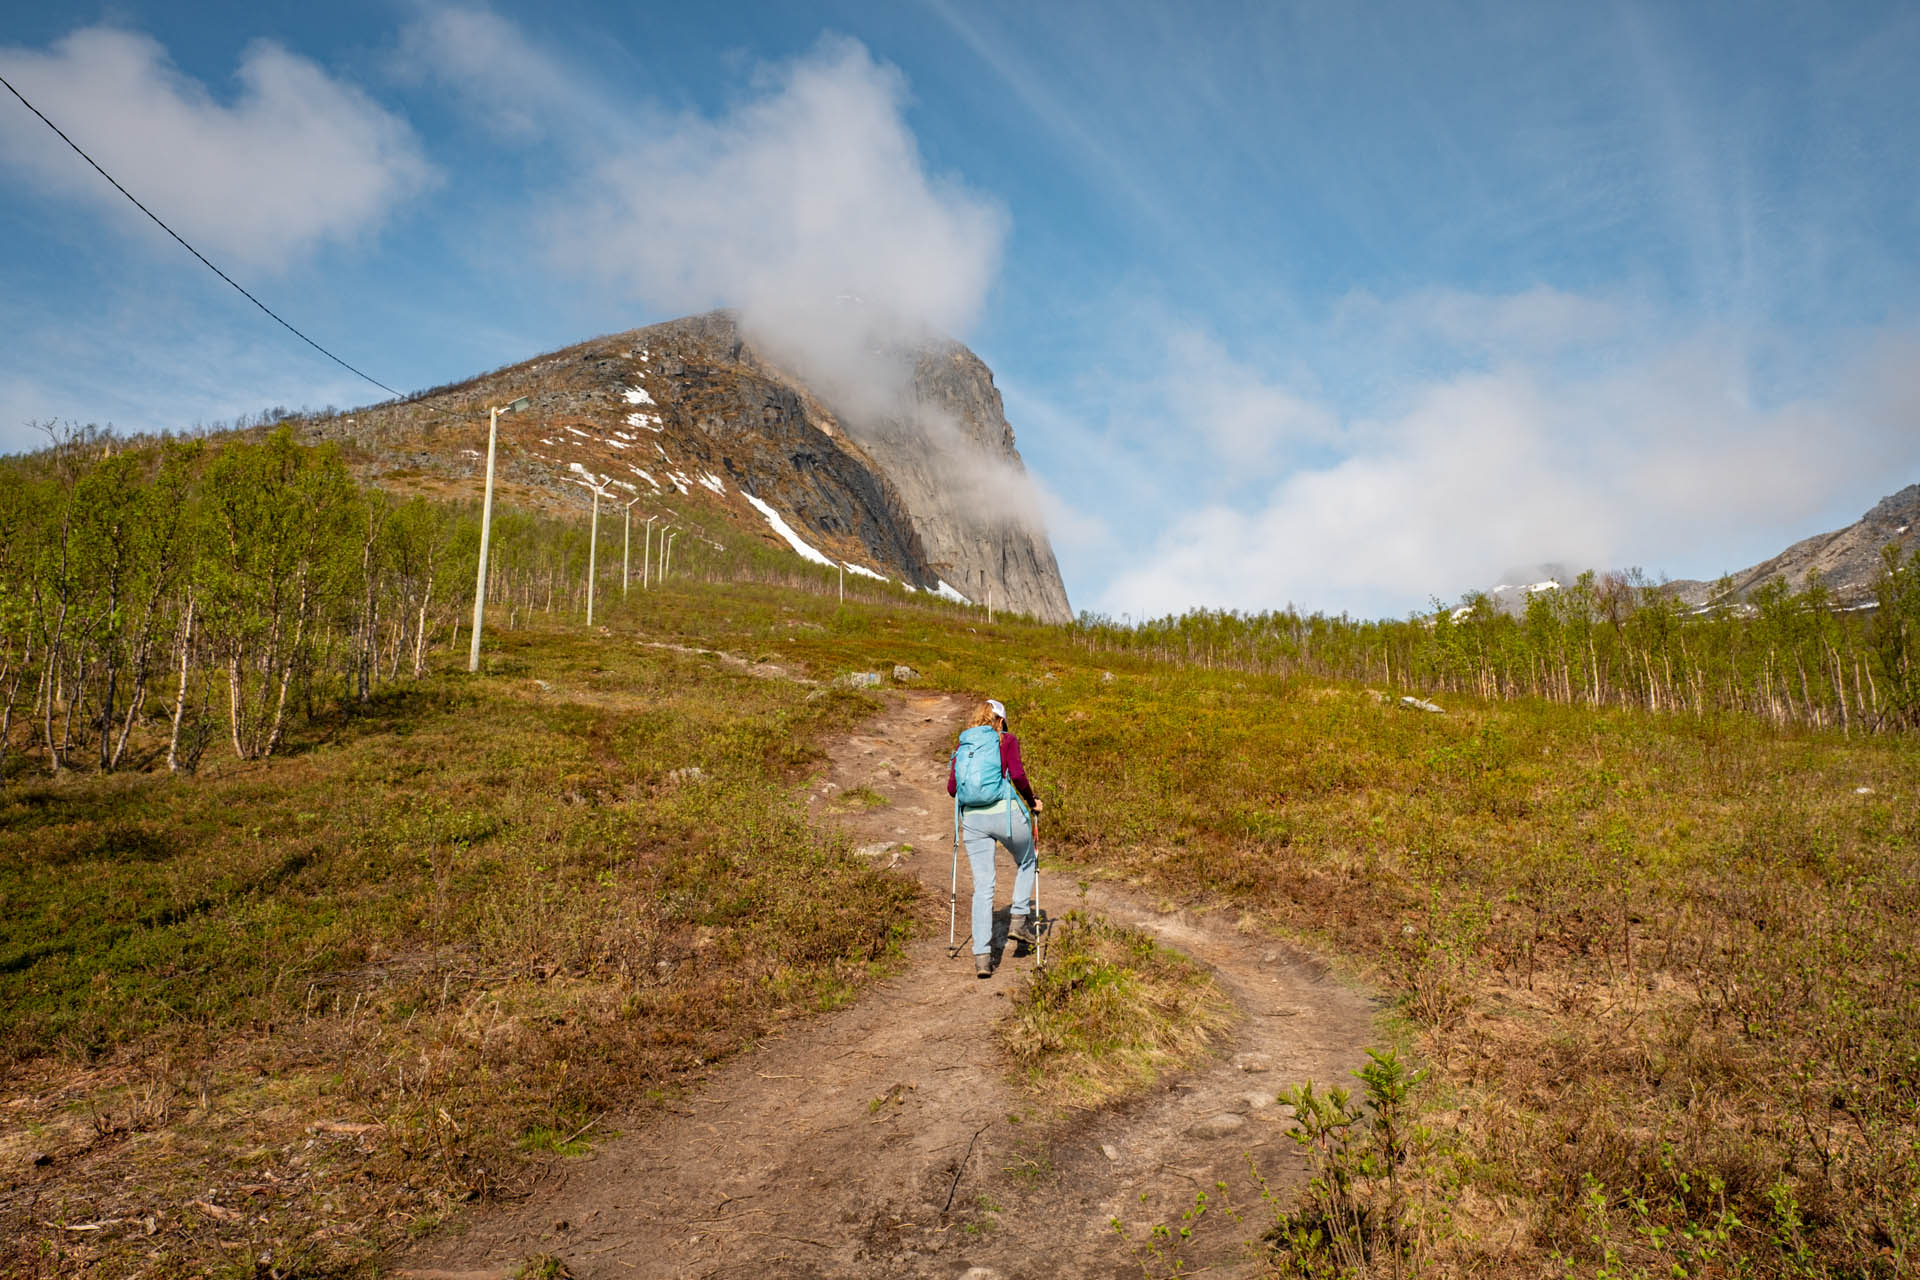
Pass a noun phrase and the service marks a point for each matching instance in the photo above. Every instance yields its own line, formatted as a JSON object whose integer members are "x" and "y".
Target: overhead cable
{"x": 189, "y": 248}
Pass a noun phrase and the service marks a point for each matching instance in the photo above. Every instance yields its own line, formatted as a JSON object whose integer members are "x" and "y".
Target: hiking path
{"x": 886, "y": 1139}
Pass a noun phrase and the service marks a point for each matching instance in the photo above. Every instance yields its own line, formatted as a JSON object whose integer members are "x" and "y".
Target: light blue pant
{"x": 979, "y": 831}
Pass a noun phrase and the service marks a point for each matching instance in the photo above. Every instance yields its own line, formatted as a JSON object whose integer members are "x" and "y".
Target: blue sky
{"x": 1345, "y": 306}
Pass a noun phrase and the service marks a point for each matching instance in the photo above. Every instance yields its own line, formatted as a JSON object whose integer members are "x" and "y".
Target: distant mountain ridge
{"x": 1846, "y": 559}
{"x": 690, "y": 414}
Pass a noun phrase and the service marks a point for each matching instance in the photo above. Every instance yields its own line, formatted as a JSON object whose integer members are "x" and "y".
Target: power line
{"x": 189, "y": 248}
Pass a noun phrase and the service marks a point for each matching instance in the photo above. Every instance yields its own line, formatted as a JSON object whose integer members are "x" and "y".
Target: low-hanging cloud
{"x": 805, "y": 205}
{"x": 296, "y": 159}
{"x": 808, "y": 207}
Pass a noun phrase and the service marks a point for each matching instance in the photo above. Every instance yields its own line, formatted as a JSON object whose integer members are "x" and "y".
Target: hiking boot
{"x": 1020, "y": 929}
{"x": 983, "y": 965}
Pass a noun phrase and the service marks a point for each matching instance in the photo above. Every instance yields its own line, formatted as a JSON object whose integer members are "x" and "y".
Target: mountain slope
{"x": 687, "y": 416}
{"x": 1846, "y": 559}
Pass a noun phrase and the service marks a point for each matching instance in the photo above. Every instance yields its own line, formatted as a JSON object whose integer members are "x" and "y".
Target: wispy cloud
{"x": 297, "y": 158}
{"x": 502, "y": 78}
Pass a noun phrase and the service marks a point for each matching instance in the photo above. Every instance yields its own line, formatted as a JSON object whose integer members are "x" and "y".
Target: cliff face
{"x": 923, "y": 485}
{"x": 949, "y": 453}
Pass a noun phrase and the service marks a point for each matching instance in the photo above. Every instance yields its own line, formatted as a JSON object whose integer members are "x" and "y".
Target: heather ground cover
{"x": 1659, "y": 966}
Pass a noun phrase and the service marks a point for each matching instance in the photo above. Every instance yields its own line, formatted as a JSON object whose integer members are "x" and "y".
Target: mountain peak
{"x": 900, "y": 466}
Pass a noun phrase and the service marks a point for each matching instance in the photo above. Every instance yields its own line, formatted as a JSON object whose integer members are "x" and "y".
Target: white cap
{"x": 997, "y": 709}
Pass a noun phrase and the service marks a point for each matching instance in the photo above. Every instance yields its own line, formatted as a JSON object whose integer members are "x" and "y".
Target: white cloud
{"x": 1242, "y": 413}
{"x": 1662, "y": 460}
{"x": 1537, "y": 321}
{"x": 513, "y": 88}
{"x": 807, "y": 205}
{"x": 297, "y": 158}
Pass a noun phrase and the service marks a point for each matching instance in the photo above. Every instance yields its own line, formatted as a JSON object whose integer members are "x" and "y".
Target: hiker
{"x": 994, "y": 802}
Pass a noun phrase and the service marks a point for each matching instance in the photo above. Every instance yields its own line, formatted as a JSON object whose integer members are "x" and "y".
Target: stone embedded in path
{"x": 874, "y": 850}
{"x": 1259, "y": 1101}
{"x": 981, "y": 1273}
{"x": 1252, "y": 1062}
{"x": 1218, "y": 1126}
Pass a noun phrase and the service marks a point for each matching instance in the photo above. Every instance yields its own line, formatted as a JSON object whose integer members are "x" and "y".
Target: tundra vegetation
{"x": 313, "y": 939}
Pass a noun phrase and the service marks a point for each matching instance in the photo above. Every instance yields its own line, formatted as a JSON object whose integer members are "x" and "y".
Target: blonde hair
{"x": 982, "y": 715}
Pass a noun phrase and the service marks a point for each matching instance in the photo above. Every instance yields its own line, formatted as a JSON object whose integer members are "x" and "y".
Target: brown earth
{"x": 887, "y": 1140}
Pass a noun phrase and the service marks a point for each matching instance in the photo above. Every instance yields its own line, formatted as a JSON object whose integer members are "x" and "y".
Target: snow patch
{"x": 785, "y": 530}
{"x": 619, "y": 444}
{"x": 947, "y": 592}
{"x": 471, "y": 453}
{"x": 865, "y": 572}
{"x": 592, "y": 480}
{"x": 638, "y": 395}
{"x": 713, "y": 482}
{"x": 650, "y": 421}
{"x": 577, "y": 431}
{"x": 644, "y": 476}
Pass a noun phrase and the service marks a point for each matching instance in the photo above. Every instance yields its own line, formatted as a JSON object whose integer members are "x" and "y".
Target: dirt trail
{"x": 884, "y": 1140}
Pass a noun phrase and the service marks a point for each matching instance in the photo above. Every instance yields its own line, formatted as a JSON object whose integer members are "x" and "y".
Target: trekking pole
{"x": 1041, "y": 926}
{"x": 953, "y": 888}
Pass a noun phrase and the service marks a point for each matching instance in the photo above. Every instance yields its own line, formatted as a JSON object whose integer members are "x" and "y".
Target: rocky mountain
{"x": 923, "y": 484}
{"x": 1846, "y": 559}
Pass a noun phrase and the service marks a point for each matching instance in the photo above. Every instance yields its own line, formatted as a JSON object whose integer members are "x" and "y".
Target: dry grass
{"x": 289, "y": 1010}
{"x": 1111, "y": 1013}
{"x": 1662, "y": 968}
{"x": 1662, "y": 965}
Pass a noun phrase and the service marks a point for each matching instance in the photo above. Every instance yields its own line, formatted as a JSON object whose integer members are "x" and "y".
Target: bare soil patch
{"x": 885, "y": 1139}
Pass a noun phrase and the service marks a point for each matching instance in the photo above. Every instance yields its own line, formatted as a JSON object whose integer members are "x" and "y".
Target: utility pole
{"x": 486, "y": 528}
{"x": 843, "y": 580}
{"x": 666, "y": 566}
{"x": 593, "y": 545}
{"x": 626, "y": 550}
{"x": 646, "y": 556}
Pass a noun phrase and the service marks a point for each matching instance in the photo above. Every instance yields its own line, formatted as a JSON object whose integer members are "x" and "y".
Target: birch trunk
{"x": 420, "y": 630}
{"x": 233, "y": 702}
{"x": 17, "y": 671}
{"x": 50, "y": 685}
{"x": 180, "y": 698}
{"x": 286, "y": 670}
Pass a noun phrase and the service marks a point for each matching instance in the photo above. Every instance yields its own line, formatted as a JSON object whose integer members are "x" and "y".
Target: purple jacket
{"x": 1009, "y": 762}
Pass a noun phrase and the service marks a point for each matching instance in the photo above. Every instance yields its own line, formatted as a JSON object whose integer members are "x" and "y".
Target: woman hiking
{"x": 992, "y": 801}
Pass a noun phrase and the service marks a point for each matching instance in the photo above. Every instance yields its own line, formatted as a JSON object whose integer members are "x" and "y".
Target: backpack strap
{"x": 1013, "y": 792}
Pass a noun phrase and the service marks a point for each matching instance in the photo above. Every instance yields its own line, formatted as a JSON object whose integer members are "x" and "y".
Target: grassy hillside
{"x": 1661, "y": 967}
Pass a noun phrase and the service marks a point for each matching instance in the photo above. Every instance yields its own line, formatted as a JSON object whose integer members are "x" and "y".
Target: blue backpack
{"x": 979, "y": 777}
